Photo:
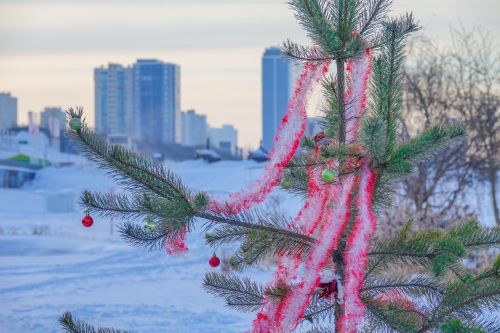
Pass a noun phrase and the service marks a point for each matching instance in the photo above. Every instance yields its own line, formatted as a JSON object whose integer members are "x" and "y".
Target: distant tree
{"x": 438, "y": 184}
{"x": 474, "y": 71}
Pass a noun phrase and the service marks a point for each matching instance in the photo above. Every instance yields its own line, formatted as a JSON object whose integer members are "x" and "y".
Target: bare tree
{"x": 474, "y": 63}
{"x": 438, "y": 184}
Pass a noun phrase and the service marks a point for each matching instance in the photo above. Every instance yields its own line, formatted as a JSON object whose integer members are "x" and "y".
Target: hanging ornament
{"x": 328, "y": 175}
{"x": 328, "y": 288}
{"x": 318, "y": 137}
{"x": 87, "y": 220}
{"x": 150, "y": 226}
{"x": 321, "y": 139}
{"x": 286, "y": 183}
{"x": 75, "y": 124}
{"x": 214, "y": 261}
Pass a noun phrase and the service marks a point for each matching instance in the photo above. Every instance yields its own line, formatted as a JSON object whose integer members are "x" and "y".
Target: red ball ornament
{"x": 214, "y": 261}
{"x": 328, "y": 288}
{"x": 87, "y": 221}
{"x": 318, "y": 137}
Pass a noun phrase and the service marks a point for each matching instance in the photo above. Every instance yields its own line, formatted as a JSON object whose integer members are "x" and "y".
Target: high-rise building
{"x": 194, "y": 129}
{"x": 113, "y": 100}
{"x": 8, "y": 111}
{"x": 50, "y": 113}
{"x": 276, "y": 89}
{"x": 156, "y": 101}
{"x": 224, "y": 138}
{"x": 312, "y": 126}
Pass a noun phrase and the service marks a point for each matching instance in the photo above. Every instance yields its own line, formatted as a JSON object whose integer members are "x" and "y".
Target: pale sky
{"x": 48, "y": 48}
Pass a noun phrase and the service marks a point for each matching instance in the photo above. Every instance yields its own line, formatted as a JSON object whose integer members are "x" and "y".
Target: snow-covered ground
{"x": 50, "y": 264}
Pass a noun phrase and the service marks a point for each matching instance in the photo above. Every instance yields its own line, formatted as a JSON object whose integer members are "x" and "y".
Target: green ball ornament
{"x": 286, "y": 183}
{"x": 75, "y": 124}
{"x": 150, "y": 227}
{"x": 328, "y": 175}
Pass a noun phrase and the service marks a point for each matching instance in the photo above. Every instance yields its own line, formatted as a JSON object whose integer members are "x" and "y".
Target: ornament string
{"x": 308, "y": 220}
{"x": 177, "y": 245}
{"x": 356, "y": 255}
{"x": 293, "y": 305}
{"x": 359, "y": 73}
{"x": 285, "y": 144}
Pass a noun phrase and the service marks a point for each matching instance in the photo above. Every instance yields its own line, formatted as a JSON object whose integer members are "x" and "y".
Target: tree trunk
{"x": 340, "y": 97}
{"x": 493, "y": 188}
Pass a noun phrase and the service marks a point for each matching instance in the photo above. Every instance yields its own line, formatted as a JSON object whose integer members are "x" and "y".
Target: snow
{"x": 50, "y": 264}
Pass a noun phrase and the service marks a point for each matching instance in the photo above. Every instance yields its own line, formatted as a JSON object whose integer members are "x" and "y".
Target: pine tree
{"x": 331, "y": 275}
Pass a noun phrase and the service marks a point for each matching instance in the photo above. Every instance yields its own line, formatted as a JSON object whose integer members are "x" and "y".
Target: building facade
{"x": 224, "y": 138}
{"x": 49, "y": 114}
{"x": 8, "y": 111}
{"x": 313, "y": 126}
{"x": 140, "y": 102}
{"x": 113, "y": 100}
{"x": 156, "y": 101}
{"x": 194, "y": 129}
{"x": 276, "y": 89}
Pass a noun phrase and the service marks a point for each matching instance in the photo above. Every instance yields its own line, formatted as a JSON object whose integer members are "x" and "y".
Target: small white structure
{"x": 224, "y": 138}
{"x": 312, "y": 126}
{"x": 194, "y": 129}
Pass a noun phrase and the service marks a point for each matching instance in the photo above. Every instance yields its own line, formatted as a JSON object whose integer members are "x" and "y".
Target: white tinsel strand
{"x": 359, "y": 70}
{"x": 308, "y": 220}
{"x": 292, "y": 307}
{"x": 285, "y": 144}
{"x": 356, "y": 255}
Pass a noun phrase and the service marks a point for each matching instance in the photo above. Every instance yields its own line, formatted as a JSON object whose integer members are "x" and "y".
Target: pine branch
{"x": 473, "y": 236}
{"x": 344, "y": 16}
{"x": 465, "y": 302}
{"x": 135, "y": 171}
{"x": 404, "y": 158}
{"x": 257, "y": 222}
{"x": 331, "y": 26}
{"x": 390, "y": 317}
{"x": 340, "y": 97}
{"x": 241, "y": 294}
{"x": 138, "y": 206}
{"x": 387, "y": 76}
{"x": 246, "y": 295}
{"x": 435, "y": 250}
{"x": 372, "y": 16}
{"x": 71, "y": 325}
{"x": 298, "y": 54}
{"x": 455, "y": 325}
{"x": 278, "y": 235}
{"x": 166, "y": 200}
{"x": 416, "y": 286}
{"x": 330, "y": 116}
{"x": 171, "y": 216}
{"x": 320, "y": 310}
{"x": 151, "y": 240}
{"x": 314, "y": 18}
{"x": 373, "y": 137}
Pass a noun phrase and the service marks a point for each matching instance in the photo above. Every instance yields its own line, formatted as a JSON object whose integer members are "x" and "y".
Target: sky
{"x": 48, "y": 48}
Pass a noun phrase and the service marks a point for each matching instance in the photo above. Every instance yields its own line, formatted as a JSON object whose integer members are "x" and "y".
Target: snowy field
{"x": 50, "y": 264}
